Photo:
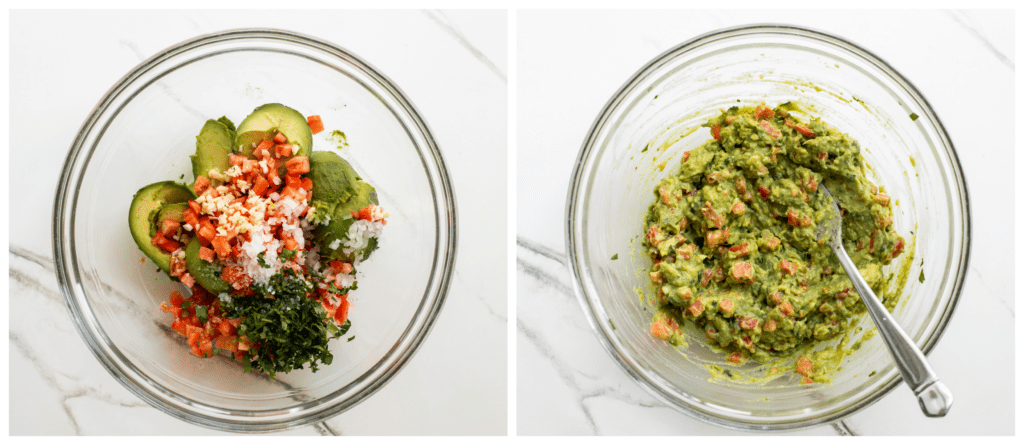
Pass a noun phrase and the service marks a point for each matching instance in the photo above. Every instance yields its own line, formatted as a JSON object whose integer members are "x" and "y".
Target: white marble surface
{"x": 570, "y": 63}
{"x": 453, "y": 66}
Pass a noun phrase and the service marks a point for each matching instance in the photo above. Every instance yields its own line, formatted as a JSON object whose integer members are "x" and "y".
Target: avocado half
{"x": 150, "y": 205}
{"x": 266, "y": 121}
{"x": 213, "y": 146}
{"x": 339, "y": 190}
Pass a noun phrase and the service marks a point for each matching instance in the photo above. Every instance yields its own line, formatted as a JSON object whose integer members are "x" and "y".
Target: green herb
{"x": 872, "y": 373}
{"x": 287, "y": 331}
{"x": 184, "y": 305}
{"x": 370, "y": 247}
{"x": 352, "y": 337}
{"x": 184, "y": 314}
{"x": 201, "y": 312}
{"x": 287, "y": 254}
{"x": 913, "y": 116}
{"x": 615, "y": 257}
{"x": 920, "y": 278}
{"x": 645, "y": 148}
{"x": 182, "y": 176}
{"x": 262, "y": 260}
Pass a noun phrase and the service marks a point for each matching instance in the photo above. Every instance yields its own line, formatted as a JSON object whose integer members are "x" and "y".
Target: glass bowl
{"x": 143, "y": 130}
{"x": 664, "y": 104}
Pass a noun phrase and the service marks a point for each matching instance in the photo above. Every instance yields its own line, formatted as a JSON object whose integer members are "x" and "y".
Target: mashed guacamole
{"x": 731, "y": 238}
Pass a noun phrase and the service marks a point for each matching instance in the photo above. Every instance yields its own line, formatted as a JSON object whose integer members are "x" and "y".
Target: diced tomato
{"x": 749, "y": 323}
{"x": 283, "y": 150}
{"x": 796, "y": 220}
{"x": 227, "y": 342}
{"x": 293, "y": 181}
{"x": 222, "y": 246}
{"x": 191, "y": 216}
{"x": 168, "y": 245}
{"x": 264, "y": 145}
{"x": 193, "y": 333}
{"x": 187, "y": 280}
{"x": 176, "y": 298}
{"x": 179, "y": 326}
{"x": 236, "y": 276}
{"x": 261, "y": 186}
{"x": 280, "y": 138}
{"x": 743, "y": 272}
{"x": 316, "y": 125}
{"x": 804, "y": 366}
{"x": 898, "y": 248}
{"x": 342, "y": 313}
{"x": 716, "y": 237}
{"x": 206, "y": 346}
{"x": 206, "y": 254}
{"x": 298, "y": 165}
{"x": 763, "y": 191}
{"x": 196, "y": 352}
{"x": 307, "y": 184}
{"x": 770, "y": 129}
{"x": 763, "y": 112}
{"x": 714, "y": 219}
{"x": 716, "y": 132}
{"x": 807, "y": 132}
{"x": 202, "y": 183}
{"x": 290, "y": 244}
{"x": 697, "y": 308}
{"x": 660, "y": 330}
{"x": 236, "y": 160}
{"x": 250, "y": 166}
{"x": 729, "y": 120}
{"x": 226, "y": 328}
{"x": 169, "y": 226}
{"x": 735, "y": 357}
{"x": 788, "y": 267}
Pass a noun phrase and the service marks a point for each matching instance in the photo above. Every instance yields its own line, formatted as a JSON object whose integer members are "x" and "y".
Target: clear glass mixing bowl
{"x": 143, "y": 130}
{"x": 846, "y": 86}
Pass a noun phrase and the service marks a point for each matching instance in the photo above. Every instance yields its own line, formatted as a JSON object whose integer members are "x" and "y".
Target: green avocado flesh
{"x": 731, "y": 238}
{"x": 266, "y": 121}
{"x": 148, "y": 205}
{"x": 337, "y": 190}
{"x": 213, "y": 145}
{"x": 205, "y": 273}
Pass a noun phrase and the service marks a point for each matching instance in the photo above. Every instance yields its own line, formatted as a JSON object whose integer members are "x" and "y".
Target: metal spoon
{"x": 934, "y": 397}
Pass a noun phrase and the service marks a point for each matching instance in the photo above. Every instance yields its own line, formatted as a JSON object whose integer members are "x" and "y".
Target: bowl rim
{"x": 304, "y": 413}
{"x": 578, "y": 270}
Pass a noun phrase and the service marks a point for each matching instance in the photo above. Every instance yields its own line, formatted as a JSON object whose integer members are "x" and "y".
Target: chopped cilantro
{"x": 201, "y": 313}
{"x": 184, "y": 305}
{"x": 262, "y": 260}
{"x": 370, "y": 247}
{"x": 289, "y": 330}
{"x": 615, "y": 257}
{"x": 913, "y": 116}
{"x": 352, "y": 337}
{"x": 287, "y": 254}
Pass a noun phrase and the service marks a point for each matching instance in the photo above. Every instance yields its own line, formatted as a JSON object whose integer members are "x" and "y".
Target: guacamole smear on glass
{"x": 731, "y": 238}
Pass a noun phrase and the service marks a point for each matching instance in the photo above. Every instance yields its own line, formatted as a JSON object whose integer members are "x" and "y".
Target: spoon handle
{"x": 934, "y": 398}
